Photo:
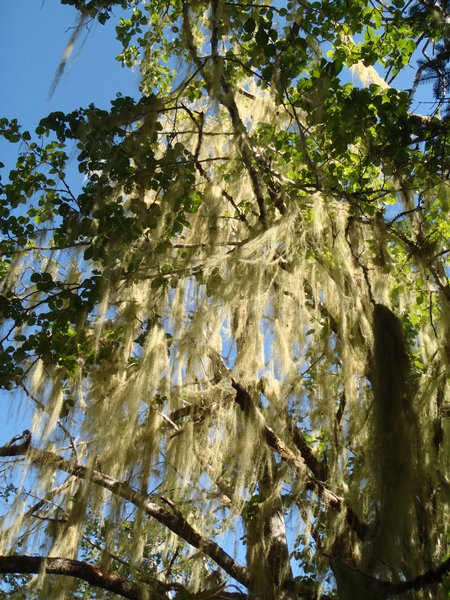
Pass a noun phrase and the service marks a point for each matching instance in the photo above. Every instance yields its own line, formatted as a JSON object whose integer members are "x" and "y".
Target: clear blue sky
{"x": 33, "y": 36}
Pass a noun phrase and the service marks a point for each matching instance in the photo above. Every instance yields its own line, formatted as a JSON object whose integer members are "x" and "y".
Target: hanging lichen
{"x": 235, "y": 337}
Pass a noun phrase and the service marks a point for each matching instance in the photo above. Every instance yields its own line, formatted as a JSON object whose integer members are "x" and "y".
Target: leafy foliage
{"x": 233, "y": 319}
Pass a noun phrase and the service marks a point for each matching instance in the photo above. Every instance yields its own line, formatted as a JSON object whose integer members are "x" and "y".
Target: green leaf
{"x": 249, "y": 25}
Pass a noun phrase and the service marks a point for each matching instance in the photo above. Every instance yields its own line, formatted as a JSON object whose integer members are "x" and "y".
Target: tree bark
{"x": 74, "y": 568}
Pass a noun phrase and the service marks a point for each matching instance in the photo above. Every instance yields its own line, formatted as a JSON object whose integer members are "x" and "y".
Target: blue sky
{"x": 33, "y": 36}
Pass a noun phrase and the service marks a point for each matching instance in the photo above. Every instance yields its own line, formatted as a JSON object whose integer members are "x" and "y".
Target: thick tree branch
{"x": 93, "y": 575}
{"x": 18, "y": 445}
{"x": 429, "y": 578}
{"x": 172, "y": 519}
{"x": 361, "y": 583}
{"x": 245, "y": 402}
{"x": 317, "y": 468}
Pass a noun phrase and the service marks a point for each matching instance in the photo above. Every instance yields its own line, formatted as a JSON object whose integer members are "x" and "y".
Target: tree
{"x": 235, "y": 329}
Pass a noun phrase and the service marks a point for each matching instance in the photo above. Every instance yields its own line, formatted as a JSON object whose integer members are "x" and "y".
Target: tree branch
{"x": 18, "y": 445}
{"x": 226, "y": 98}
{"x": 93, "y": 575}
{"x": 419, "y": 582}
{"x": 173, "y": 520}
{"x": 243, "y": 399}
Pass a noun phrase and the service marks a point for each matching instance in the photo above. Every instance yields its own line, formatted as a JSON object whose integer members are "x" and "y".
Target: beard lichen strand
{"x": 247, "y": 284}
{"x": 395, "y": 427}
{"x": 247, "y": 257}
{"x": 67, "y": 534}
{"x": 258, "y": 106}
{"x": 434, "y": 385}
{"x": 254, "y": 258}
{"x": 251, "y": 295}
{"x": 47, "y": 394}
{"x": 14, "y": 528}
{"x": 338, "y": 287}
{"x": 124, "y": 389}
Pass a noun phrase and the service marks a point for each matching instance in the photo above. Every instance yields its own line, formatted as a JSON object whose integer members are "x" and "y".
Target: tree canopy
{"x": 234, "y": 326}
